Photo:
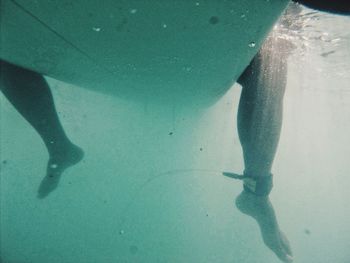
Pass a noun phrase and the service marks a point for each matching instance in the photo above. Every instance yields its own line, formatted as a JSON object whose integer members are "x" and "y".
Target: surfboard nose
{"x": 189, "y": 51}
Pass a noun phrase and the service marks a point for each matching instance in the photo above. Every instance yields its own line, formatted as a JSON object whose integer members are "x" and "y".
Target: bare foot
{"x": 56, "y": 166}
{"x": 261, "y": 209}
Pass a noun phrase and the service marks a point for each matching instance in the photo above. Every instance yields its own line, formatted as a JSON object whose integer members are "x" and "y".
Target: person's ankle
{"x": 253, "y": 172}
{"x": 255, "y": 198}
{"x": 60, "y": 151}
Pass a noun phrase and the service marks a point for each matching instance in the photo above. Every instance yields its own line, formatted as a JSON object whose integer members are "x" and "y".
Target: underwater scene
{"x": 208, "y": 151}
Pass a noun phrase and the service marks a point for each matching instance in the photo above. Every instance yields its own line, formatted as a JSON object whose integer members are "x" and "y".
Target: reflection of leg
{"x": 259, "y": 125}
{"x": 30, "y": 95}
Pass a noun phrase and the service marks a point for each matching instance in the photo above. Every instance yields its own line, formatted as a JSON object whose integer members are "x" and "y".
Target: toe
{"x": 283, "y": 255}
{"x": 47, "y": 185}
{"x": 286, "y": 244}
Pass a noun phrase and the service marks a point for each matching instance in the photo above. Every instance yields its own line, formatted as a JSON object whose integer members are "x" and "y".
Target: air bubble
{"x": 133, "y": 11}
{"x": 252, "y": 44}
{"x": 96, "y": 29}
{"x": 53, "y": 166}
{"x": 188, "y": 69}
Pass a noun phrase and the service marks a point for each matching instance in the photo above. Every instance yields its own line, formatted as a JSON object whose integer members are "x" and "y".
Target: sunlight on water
{"x": 314, "y": 33}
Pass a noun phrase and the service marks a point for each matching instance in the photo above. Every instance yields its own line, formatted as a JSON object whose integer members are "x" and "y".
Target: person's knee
{"x": 13, "y": 73}
{"x": 7, "y": 69}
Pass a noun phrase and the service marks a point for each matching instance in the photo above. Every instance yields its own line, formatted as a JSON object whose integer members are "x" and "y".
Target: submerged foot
{"x": 261, "y": 209}
{"x": 56, "y": 166}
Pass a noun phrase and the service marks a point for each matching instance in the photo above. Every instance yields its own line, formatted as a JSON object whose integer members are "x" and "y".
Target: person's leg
{"x": 29, "y": 93}
{"x": 260, "y": 111}
{"x": 259, "y": 126}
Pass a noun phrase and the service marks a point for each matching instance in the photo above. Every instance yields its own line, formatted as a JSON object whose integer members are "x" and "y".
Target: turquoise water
{"x": 150, "y": 187}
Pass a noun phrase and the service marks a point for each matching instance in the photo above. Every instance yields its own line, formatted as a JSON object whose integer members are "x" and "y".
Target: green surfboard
{"x": 163, "y": 50}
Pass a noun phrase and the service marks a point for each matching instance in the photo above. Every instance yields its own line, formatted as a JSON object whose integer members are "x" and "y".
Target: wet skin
{"x": 261, "y": 209}
{"x": 259, "y": 126}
